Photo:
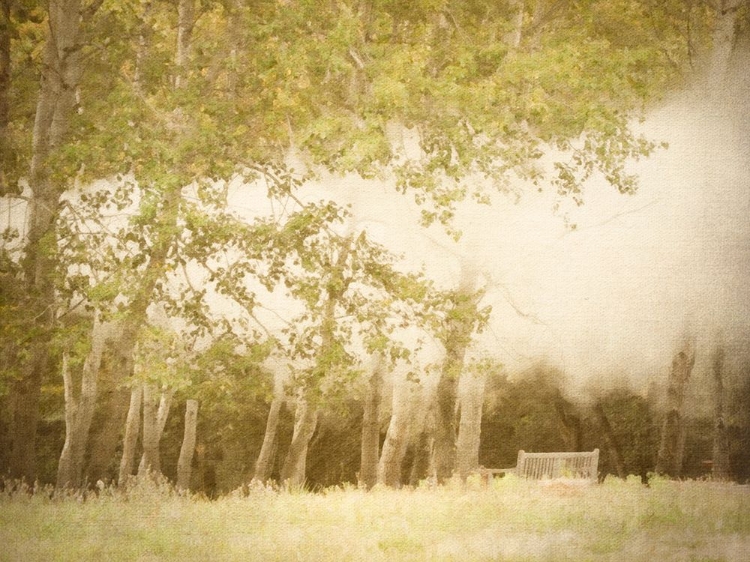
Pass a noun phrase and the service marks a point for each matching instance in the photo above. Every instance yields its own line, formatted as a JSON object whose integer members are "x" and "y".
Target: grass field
{"x": 511, "y": 520}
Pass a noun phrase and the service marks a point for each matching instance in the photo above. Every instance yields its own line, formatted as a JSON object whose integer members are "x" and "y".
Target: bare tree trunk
{"x": 669, "y": 460}
{"x": 61, "y": 71}
{"x": 132, "y": 429}
{"x": 721, "y": 467}
{"x": 615, "y": 453}
{"x": 264, "y": 463}
{"x": 80, "y": 411}
{"x": 295, "y": 464}
{"x": 185, "y": 461}
{"x": 370, "y": 448}
{"x": 470, "y": 425}
{"x": 396, "y": 440}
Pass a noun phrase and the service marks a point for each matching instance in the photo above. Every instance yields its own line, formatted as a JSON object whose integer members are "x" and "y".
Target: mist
{"x": 606, "y": 291}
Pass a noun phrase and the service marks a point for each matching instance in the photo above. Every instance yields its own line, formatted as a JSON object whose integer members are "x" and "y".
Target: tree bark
{"x": 306, "y": 420}
{"x": 113, "y": 409}
{"x": 5, "y": 82}
{"x": 79, "y": 411}
{"x": 370, "y": 448}
{"x": 61, "y": 71}
{"x": 396, "y": 441}
{"x": 150, "y": 461}
{"x": 669, "y": 460}
{"x": 132, "y": 429}
{"x": 155, "y": 414}
{"x": 460, "y": 326}
{"x": 185, "y": 461}
{"x": 264, "y": 463}
{"x": 615, "y": 453}
{"x": 721, "y": 469}
{"x": 470, "y": 425}
{"x": 421, "y": 465}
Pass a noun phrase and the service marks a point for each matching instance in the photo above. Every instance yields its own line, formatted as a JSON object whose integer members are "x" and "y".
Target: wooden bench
{"x": 537, "y": 466}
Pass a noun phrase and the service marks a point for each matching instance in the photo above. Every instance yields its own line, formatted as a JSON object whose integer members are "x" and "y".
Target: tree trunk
{"x": 514, "y": 36}
{"x": 264, "y": 464}
{"x": 721, "y": 467}
{"x": 6, "y": 31}
{"x": 370, "y": 448}
{"x": 615, "y": 453}
{"x": 132, "y": 429}
{"x": 669, "y": 460}
{"x": 103, "y": 461}
{"x": 154, "y": 420}
{"x": 80, "y": 411}
{"x": 185, "y": 462}
{"x": 470, "y": 425}
{"x": 572, "y": 432}
{"x": 150, "y": 461}
{"x": 61, "y": 71}
{"x": 306, "y": 419}
{"x": 396, "y": 440}
{"x": 725, "y": 25}
{"x": 460, "y": 326}
{"x": 421, "y": 465}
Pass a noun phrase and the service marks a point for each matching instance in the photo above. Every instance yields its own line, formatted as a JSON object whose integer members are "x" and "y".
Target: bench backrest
{"x": 558, "y": 465}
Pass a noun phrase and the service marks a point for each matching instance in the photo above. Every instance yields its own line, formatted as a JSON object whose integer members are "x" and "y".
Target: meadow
{"x": 508, "y": 520}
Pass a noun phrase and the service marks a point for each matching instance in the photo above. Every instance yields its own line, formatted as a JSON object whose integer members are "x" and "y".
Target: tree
{"x": 370, "y": 447}
{"x": 485, "y": 90}
{"x": 463, "y": 318}
{"x": 721, "y": 469}
{"x": 669, "y": 460}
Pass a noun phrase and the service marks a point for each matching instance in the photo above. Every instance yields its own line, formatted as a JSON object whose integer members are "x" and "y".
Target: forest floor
{"x": 509, "y": 520}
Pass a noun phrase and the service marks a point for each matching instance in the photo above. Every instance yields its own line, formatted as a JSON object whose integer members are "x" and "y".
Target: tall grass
{"x": 509, "y": 520}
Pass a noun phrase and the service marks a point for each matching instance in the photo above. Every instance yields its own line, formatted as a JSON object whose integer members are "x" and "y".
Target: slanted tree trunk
{"x": 295, "y": 464}
{"x": 264, "y": 464}
{"x": 79, "y": 411}
{"x": 721, "y": 469}
{"x": 185, "y": 461}
{"x": 132, "y": 429}
{"x": 669, "y": 460}
{"x": 470, "y": 425}
{"x": 615, "y": 453}
{"x": 370, "y": 449}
